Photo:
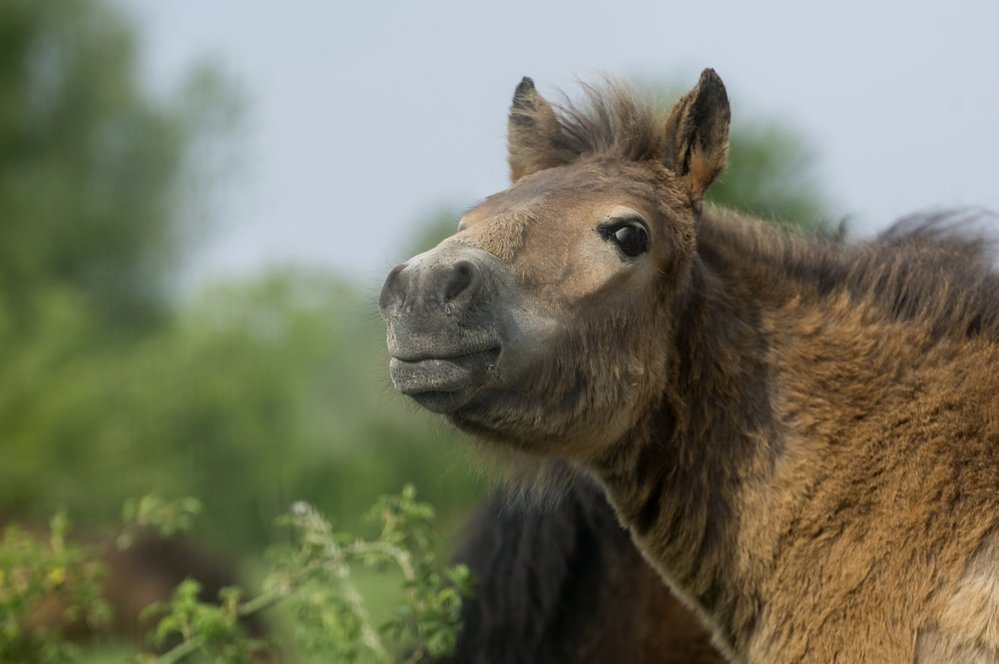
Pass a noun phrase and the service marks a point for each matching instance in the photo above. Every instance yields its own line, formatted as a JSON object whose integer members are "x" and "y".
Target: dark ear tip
{"x": 524, "y": 93}
{"x": 709, "y": 77}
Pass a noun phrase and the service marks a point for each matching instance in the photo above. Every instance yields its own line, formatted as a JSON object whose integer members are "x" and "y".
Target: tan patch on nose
{"x": 502, "y": 236}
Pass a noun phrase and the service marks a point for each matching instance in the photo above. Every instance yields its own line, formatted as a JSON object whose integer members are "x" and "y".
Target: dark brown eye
{"x": 631, "y": 238}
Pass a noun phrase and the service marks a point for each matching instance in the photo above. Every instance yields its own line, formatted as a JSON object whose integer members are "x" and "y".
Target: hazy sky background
{"x": 365, "y": 117}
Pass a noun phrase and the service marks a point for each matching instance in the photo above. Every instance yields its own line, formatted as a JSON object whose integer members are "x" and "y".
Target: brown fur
{"x": 802, "y": 435}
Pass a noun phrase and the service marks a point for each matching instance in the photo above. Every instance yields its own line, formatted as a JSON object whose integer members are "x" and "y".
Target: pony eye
{"x": 632, "y": 239}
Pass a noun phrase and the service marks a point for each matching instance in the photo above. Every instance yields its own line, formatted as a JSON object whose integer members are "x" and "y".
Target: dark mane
{"x": 936, "y": 269}
{"x": 540, "y": 575}
{"x": 563, "y": 583}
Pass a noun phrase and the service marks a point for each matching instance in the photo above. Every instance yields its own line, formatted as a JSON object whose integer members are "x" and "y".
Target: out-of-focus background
{"x": 198, "y": 202}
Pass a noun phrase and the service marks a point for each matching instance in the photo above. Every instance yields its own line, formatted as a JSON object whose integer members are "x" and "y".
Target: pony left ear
{"x": 534, "y": 134}
{"x": 696, "y": 146}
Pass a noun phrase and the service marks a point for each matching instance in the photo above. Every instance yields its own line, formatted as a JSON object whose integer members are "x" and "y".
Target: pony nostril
{"x": 394, "y": 290}
{"x": 461, "y": 279}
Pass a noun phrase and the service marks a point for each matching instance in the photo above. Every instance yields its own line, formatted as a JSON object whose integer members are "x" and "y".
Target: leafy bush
{"x": 310, "y": 579}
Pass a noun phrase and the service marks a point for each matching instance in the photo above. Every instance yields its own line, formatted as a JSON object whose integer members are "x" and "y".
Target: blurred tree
{"x": 91, "y": 167}
{"x": 249, "y": 396}
{"x": 771, "y": 174}
{"x": 256, "y": 394}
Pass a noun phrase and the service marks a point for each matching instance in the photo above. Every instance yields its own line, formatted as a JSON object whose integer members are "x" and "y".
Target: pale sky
{"x": 364, "y": 117}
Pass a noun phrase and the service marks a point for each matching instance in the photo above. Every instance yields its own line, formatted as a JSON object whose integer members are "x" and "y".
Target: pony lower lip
{"x": 442, "y": 375}
{"x": 458, "y": 355}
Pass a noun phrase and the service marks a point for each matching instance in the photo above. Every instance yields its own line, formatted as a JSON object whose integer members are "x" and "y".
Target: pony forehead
{"x": 597, "y": 185}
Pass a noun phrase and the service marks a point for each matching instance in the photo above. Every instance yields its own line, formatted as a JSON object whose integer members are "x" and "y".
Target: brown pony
{"x": 801, "y": 435}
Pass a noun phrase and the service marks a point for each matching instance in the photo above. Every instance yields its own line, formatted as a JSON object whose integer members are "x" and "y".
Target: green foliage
{"x": 428, "y": 619}
{"x": 311, "y": 578}
{"x": 332, "y": 619}
{"x": 433, "y": 611}
{"x": 46, "y": 585}
{"x": 165, "y": 518}
{"x": 202, "y": 628}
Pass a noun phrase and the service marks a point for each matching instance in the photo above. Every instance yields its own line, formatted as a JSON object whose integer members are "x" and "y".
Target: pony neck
{"x": 677, "y": 480}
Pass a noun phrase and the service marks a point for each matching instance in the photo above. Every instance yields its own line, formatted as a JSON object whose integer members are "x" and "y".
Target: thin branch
{"x": 401, "y": 557}
{"x": 181, "y": 650}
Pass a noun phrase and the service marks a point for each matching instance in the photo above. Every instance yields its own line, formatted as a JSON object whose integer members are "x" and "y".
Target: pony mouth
{"x": 442, "y": 384}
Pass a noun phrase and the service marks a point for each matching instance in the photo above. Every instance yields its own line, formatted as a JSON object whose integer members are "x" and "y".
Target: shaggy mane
{"x": 611, "y": 120}
{"x": 935, "y": 268}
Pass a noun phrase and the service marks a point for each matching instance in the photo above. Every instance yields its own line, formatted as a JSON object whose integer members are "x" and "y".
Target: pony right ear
{"x": 534, "y": 134}
{"x": 697, "y": 135}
